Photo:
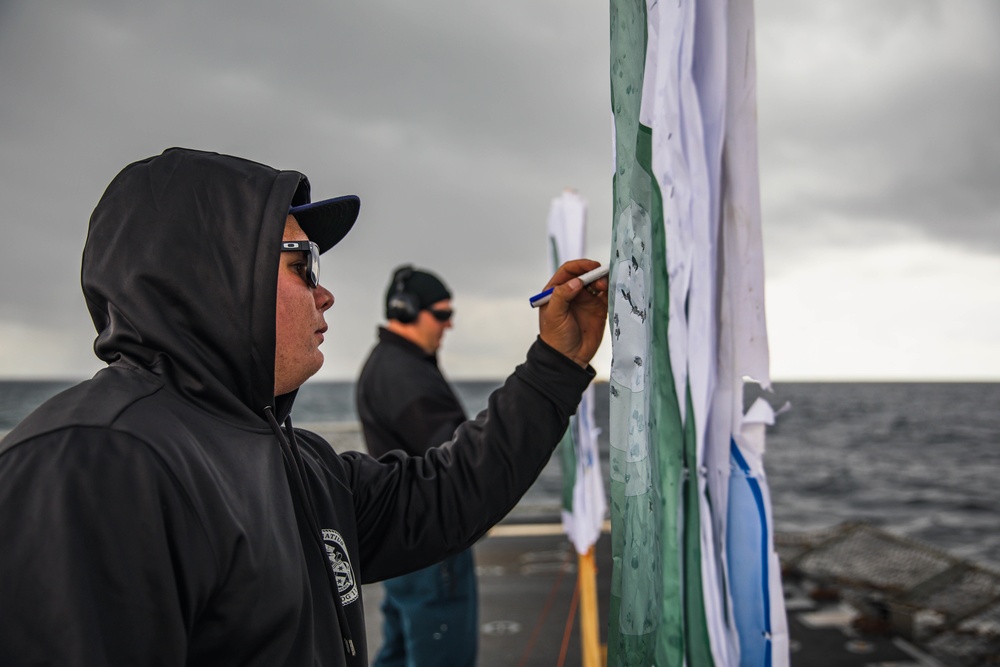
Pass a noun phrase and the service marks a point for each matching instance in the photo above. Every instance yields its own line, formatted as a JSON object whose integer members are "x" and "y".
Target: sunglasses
{"x": 311, "y": 251}
{"x": 441, "y": 315}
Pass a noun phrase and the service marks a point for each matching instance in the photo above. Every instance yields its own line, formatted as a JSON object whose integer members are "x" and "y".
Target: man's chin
{"x": 319, "y": 363}
{"x": 313, "y": 369}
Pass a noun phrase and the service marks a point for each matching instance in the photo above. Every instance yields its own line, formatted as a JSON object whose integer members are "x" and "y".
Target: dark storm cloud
{"x": 457, "y": 124}
{"x": 884, "y": 119}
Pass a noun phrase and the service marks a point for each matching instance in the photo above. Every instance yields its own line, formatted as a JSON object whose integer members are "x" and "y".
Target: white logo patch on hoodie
{"x": 336, "y": 551}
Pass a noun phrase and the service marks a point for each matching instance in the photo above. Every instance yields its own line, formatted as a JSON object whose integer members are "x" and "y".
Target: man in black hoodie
{"x": 160, "y": 513}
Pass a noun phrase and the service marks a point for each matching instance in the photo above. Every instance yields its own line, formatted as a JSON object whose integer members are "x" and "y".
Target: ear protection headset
{"x": 402, "y": 305}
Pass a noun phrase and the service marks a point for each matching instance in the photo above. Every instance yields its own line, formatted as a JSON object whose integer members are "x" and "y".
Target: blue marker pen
{"x": 542, "y": 298}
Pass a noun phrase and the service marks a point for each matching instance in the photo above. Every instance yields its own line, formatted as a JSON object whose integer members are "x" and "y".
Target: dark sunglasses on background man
{"x": 311, "y": 252}
{"x": 441, "y": 315}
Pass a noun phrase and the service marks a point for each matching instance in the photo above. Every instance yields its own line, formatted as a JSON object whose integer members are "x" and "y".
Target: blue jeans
{"x": 431, "y": 616}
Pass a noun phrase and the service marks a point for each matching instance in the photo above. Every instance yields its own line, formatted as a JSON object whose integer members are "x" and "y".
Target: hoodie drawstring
{"x": 295, "y": 472}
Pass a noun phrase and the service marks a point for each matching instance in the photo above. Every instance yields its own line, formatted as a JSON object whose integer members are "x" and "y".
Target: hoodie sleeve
{"x": 93, "y": 554}
{"x": 413, "y": 511}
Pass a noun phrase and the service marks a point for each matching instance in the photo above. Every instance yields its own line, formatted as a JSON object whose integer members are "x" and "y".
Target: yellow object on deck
{"x": 590, "y": 636}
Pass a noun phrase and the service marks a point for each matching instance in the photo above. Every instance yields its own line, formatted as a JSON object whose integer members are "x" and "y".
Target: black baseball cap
{"x": 326, "y": 222}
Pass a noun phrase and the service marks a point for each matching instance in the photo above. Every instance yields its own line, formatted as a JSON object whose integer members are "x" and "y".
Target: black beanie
{"x": 426, "y": 287}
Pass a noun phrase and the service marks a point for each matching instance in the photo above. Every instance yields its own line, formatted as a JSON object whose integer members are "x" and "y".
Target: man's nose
{"x": 324, "y": 298}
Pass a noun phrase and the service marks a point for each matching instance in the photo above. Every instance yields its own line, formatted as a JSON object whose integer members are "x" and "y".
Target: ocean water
{"x": 921, "y": 460}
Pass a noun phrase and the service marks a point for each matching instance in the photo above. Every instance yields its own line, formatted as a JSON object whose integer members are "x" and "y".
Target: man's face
{"x": 430, "y": 331}
{"x": 299, "y": 325}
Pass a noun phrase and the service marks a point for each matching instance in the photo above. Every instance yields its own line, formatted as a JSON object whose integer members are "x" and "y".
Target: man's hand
{"x": 573, "y": 320}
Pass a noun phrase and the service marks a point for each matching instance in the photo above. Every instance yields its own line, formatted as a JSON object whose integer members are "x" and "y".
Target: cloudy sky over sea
{"x": 458, "y": 122}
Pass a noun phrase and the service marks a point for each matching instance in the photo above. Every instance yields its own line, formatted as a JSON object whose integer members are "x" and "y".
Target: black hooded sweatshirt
{"x": 157, "y": 514}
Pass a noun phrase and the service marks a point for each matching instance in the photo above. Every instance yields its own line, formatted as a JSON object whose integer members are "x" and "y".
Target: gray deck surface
{"x": 526, "y": 584}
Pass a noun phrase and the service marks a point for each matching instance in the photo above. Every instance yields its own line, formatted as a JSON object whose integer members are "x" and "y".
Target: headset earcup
{"x": 403, "y": 307}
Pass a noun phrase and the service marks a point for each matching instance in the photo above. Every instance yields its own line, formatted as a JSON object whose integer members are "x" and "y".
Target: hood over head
{"x": 180, "y": 271}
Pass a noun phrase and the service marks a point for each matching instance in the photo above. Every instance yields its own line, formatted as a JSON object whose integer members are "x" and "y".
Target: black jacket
{"x": 157, "y": 514}
{"x": 403, "y": 400}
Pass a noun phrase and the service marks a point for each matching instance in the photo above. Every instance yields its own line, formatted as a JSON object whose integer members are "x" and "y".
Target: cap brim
{"x": 326, "y": 222}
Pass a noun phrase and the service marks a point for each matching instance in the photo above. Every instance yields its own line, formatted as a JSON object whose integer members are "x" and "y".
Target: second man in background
{"x": 430, "y": 617}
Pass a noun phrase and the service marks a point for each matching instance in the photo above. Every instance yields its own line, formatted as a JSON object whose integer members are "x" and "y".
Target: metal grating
{"x": 950, "y": 607}
{"x": 790, "y": 546}
{"x": 975, "y": 642}
{"x": 958, "y": 593}
{"x": 864, "y": 556}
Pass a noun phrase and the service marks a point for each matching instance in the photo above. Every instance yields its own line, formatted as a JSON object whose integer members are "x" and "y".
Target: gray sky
{"x": 457, "y": 123}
